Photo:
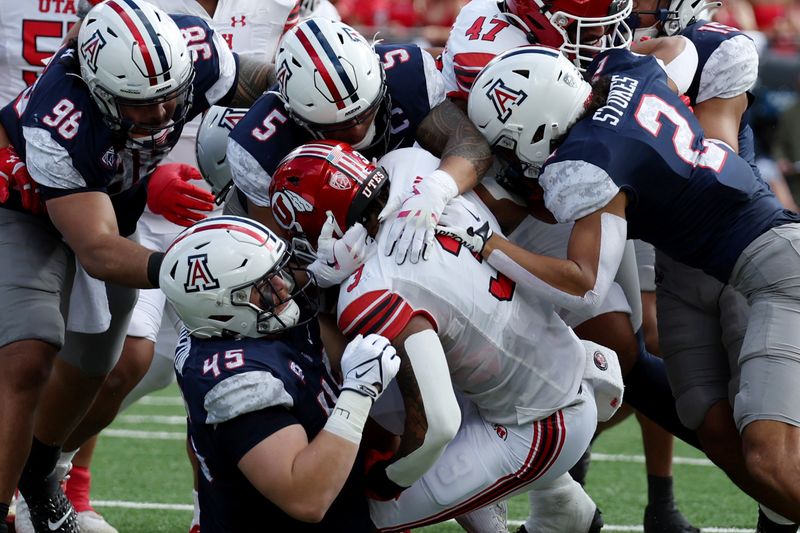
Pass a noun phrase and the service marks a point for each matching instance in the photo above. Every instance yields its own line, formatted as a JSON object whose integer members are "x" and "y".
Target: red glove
{"x": 14, "y": 175}
{"x": 378, "y": 485}
{"x": 170, "y": 195}
{"x": 686, "y": 100}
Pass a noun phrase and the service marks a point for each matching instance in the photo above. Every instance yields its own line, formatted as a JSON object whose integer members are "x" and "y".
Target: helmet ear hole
{"x": 538, "y": 135}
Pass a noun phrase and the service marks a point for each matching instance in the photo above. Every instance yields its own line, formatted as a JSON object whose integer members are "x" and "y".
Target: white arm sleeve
{"x": 682, "y": 68}
{"x": 441, "y": 407}
{"x": 227, "y": 71}
{"x": 248, "y": 174}
{"x": 612, "y": 244}
{"x": 434, "y": 81}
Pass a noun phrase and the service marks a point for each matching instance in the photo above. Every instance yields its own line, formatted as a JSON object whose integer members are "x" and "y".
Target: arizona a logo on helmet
{"x": 198, "y": 276}
{"x": 503, "y": 98}
{"x": 90, "y": 49}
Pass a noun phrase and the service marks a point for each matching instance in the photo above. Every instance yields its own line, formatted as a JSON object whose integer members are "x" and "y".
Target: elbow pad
{"x": 442, "y": 412}
{"x": 612, "y": 244}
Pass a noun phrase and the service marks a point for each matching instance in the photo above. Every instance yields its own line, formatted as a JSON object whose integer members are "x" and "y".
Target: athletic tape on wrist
{"x": 349, "y": 416}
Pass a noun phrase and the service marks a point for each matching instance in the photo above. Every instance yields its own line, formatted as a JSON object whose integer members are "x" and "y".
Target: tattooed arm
{"x": 432, "y": 413}
{"x": 255, "y": 77}
{"x": 447, "y": 133}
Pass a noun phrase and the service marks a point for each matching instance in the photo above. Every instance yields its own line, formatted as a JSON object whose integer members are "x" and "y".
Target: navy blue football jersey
{"x": 268, "y": 134}
{"x": 237, "y": 393}
{"x": 727, "y": 66}
{"x": 77, "y": 150}
{"x": 692, "y": 198}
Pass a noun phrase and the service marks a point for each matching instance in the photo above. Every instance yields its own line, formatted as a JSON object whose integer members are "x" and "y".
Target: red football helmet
{"x": 569, "y": 25}
{"x": 319, "y": 178}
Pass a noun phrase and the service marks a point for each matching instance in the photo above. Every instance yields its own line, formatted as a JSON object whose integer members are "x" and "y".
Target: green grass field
{"x": 142, "y": 482}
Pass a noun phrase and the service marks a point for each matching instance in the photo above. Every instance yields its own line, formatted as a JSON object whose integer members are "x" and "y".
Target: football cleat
{"x": 666, "y": 518}
{"x": 53, "y": 514}
{"x": 765, "y": 525}
{"x": 91, "y": 521}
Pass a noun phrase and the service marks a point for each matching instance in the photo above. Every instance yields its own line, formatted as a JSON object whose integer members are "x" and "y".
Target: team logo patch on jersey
{"x": 286, "y": 205}
{"x": 110, "y": 159}
{"x": 340, "y": 182}
{"x": 199, "y": 277}
{"x": 294, "y": 367}
{"x": 504, "y": 97}
{"x": 91, "y": 48}
{"x": 240, "y": 21}
{"x": 501, "y": 431}
{"x": 600, "y": 361}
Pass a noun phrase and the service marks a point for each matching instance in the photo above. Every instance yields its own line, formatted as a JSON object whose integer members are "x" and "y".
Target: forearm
{"x": 447, "y": 133}
{"x": 578, "y": 285}
{"x": 254, "y": 78}
{"x": 432, "y": 416}
{"x": 115, "y": 259}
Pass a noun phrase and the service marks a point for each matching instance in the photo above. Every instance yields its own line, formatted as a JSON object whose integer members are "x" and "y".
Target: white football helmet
{"x": 211, "y": 145}
{"x": 132, "y": 53}
{"x": 674, "y": 19}
{"x": 226, "y": 276}
{"x": 331, "y": 79}
{"x": 525, "y": 99}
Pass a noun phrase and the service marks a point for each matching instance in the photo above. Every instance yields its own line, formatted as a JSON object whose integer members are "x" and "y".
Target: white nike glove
{"x": 368, "y": 365}
{"x": 465, "y": 226}
{"x": 337, "y": 259}
{"x": 411, "y": 234}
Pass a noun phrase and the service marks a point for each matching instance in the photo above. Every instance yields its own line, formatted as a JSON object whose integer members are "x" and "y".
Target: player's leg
{"x": 34, "y": 291}
{"x": 767, "y": 405}
{"x": 78, "y": 489}
{"x": 489, "y": 462}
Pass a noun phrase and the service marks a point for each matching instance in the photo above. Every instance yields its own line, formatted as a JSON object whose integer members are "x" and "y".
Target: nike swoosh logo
{"x": 473, "y": 215}
{"x": 55, "y": 525}
{"x": 361, "y": 375}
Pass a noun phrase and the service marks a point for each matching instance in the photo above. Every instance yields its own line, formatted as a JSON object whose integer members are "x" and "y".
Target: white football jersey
{"x": 510, "y": 355}
{"x": 480, "y": 32}
{"x": 30, "y": 32}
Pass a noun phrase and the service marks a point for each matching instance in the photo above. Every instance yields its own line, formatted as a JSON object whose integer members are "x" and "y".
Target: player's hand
{"x": 14, "y": 175}
{"x": 170, "y": 194}
{"x": 378, "y": 485}
{"x": 369, "y": 364}
{"x": 412, "y": 231}
{"x": 466, "y": 227}
{"x": 337, "y": 259}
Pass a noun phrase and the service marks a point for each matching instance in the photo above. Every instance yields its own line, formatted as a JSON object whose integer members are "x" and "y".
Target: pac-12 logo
{"x": 199, "y": 277}
{"x": 504, "y": 97}
{"x": 91, "y": 48}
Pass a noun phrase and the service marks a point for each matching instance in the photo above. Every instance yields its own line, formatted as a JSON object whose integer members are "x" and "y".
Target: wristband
{"x": 349, "y": 416}
{"x": 154, "y": 267}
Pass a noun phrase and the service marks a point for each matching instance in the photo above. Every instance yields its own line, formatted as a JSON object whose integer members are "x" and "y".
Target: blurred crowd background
{"x": 773, "y": 24}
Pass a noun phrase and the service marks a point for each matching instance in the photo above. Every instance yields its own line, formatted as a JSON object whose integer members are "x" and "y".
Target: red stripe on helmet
{"x": 326, "y": 77}
{"x": 137, "y": 35}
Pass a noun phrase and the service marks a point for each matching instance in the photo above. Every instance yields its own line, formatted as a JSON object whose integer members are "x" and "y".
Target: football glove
{"x": 463, "y": 225}
{"x": 377, "y": 484}
{"x": 14, "y": 175}
{"x": 337, "y": 259}
{"x": 412, "y": 231}
{"x": 170, "y": 194}
{"x": 368, "y": 365}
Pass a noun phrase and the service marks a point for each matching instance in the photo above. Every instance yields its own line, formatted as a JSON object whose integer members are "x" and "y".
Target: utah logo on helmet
{"x": 199, "y": 277}
{"x": 503, "y": 97}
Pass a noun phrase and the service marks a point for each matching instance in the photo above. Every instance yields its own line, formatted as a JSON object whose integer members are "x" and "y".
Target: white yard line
{"x": 512, "y": 523}
{"x": 160, "y": 400}
{"x": 153, "y": 419}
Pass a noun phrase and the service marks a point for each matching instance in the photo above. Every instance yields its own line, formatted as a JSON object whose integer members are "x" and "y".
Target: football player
{"x": 91, "y": 129}
{"x": 698, "y": 202}
{"x": 250, "y": 28}
{"x": 275, "y": 436}
{"x": 332, "y": 84}
{"x": 485, "y": 28}
{"x": 519, "y": 370}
